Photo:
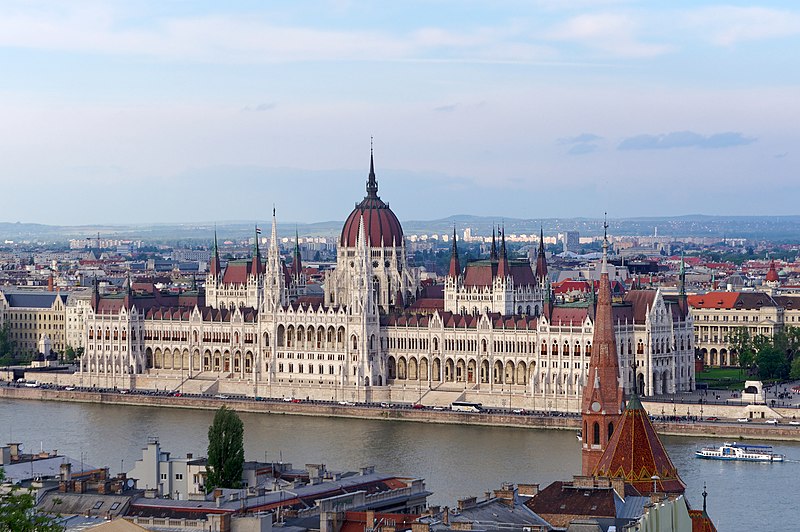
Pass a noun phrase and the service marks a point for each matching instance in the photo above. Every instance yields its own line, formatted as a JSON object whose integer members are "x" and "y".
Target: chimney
{"x": 446, "y": 516}
{"x": 528, "y": 490}
{"x": 619, "y": 486}
{"x": 66, "y": 471}
{"x": 467, "y": 502}
{"x": 14, "y": 451}
{"x": 420, "y": 527}
{"x": 189, "y": 456}
{"x": 369, "y": 520}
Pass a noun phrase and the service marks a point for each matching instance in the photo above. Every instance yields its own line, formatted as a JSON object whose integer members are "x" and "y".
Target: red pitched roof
{"x": 636, "y": 454}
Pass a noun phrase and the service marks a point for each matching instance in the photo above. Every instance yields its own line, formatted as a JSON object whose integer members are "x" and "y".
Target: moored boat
{"x": 737, "y": 451}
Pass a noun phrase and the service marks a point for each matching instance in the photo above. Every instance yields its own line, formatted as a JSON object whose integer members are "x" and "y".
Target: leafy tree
{"x": 6, "y": 343}
{"x": 225, "y": 450}
{"x": 741, "y": 342}
{"x": 794, "y": 374}
{"x": 771, "y": 363}
{"x": 18, "y": 512}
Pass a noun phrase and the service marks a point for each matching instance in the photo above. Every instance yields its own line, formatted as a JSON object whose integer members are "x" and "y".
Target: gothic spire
{"x": 682, "y": 277}
{"x": 602, "y": 402}
{"x": 256, "y": 261}
{"x": 503, "y": 269}
{"x": 455, "y": 266}
{"x": 493, "y": 252}
{"x": 541, "y": 260}
{"x": 372, "y": 183}
{"x": 215, "y": 268}
{"x": 297, "y": 266}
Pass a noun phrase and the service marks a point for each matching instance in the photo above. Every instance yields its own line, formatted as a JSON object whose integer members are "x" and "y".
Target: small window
{"x": 114, "y": 506}
{"x": 178, "y": 476}
{"x": 163, "y": 476}
{"x": 97, "y": 505}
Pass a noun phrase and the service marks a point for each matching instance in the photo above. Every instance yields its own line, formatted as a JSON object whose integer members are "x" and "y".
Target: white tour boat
{"x": 736, "y": 451}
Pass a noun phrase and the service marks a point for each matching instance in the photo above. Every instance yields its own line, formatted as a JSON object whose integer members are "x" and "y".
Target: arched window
{"x": 596, "y": 433}
{"x": 610, "y": 429}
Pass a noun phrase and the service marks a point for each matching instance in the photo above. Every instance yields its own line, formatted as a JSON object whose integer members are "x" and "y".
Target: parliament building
{"x": 494, "y": 334}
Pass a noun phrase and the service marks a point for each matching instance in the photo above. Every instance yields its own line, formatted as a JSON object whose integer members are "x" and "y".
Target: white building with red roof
{"x": 492, "y": 334}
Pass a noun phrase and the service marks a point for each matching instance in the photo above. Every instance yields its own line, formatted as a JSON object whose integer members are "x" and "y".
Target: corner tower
{"x": 602, "y": 402}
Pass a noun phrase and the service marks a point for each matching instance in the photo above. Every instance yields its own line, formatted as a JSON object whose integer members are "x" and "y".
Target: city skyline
{"x": 173, "y": 112}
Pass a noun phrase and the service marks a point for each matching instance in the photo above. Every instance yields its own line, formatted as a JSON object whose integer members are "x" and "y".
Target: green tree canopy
{"x": 794, "y": 374}
{"x": 741, "y": 342}
{"x": 18, "y": 512}
{"x": 225, "y": 450}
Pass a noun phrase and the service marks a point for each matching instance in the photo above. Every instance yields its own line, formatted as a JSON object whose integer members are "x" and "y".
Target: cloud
{"x": 685, "y": 139}
{"x": 582, "y": 149}
{"x": 728, "y": 25}
{"x": 446, "y": 108}
{"x": 260, "y": 108}
{"x": 612, "y": 33}
{"x": 583, "y": 137}
{"x": 252, "y": 38}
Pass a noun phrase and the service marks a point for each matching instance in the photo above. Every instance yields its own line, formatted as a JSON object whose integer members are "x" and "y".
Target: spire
{"x": 541, "y": 260}
{"x": 128, "y": 299}
{"x": 255, "y": 267}
{"x": 493, "y": 252}
{"x": 603, "y": 402}
{"x": 704, "y": 498}
{"x": 503, "y": 269}
{"x": 372, "y": 183}
{"x": 297, "y": 267}
{"x": 455, "y": 266}
{"x": 215, "y": 267}
{"x": 636, "y": 454}
{"x": 682, "y": 277}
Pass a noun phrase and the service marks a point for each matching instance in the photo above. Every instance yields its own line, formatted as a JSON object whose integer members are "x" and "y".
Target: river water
{"x": 456, "y": 461}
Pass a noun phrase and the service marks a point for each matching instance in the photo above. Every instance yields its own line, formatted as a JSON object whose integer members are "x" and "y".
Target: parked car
{"x": 771, "y": 421}
{"x": 418, "y": 406}
{"x": 743, "y": 420}
{"x": 712, "y": 418}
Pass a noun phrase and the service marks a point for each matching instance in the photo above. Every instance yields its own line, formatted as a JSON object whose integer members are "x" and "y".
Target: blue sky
{"x": 178, "y": 111}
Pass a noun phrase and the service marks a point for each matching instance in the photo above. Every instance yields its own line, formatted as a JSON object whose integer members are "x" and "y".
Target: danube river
{"x": 455, "y": 461}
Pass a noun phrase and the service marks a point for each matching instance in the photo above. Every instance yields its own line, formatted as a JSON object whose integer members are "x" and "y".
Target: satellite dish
{"x": 130, "y": 483}
{"x": 20, "y": 446}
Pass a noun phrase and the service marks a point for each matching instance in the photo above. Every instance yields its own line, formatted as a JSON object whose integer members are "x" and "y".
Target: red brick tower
{"x": 602, "y": 395}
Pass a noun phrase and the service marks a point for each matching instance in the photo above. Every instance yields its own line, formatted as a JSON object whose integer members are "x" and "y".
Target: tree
{"x": 6, "y": 343}
{"x": 18, "y": 512}
{"x": 771, "y": 363}
{"x": 741, "y": 343}
{"x": 225, "y": 450}
{"x": 794, "y": 374}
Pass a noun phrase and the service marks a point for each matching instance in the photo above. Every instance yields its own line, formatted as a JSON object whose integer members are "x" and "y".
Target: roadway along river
{"x": 456, "y": 461}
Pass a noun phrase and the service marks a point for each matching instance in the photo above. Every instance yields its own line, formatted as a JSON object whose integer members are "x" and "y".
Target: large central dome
{"x": 381, "y": 226}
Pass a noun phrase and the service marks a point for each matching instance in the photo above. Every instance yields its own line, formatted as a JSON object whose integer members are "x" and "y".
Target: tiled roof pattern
{"x": 732, "y": 300}
{"x": 381, "y": 226}
{"x": 33, "y": 299}
{"x": 482, "y": 273}
{"x": 701, "y": 522}
{"x": 636, "y": 454}
{"x": 560, "y": 502}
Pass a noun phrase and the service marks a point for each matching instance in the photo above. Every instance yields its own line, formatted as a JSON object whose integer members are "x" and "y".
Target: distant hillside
{"x": 775, "y": 228}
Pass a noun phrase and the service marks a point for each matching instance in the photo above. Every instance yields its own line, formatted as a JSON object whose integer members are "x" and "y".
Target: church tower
{"x": 602, "y": 394}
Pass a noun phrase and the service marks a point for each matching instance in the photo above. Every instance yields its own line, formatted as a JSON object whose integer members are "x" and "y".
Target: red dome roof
{"x": 772, "y": 274}
{"x": 381, "y": 226}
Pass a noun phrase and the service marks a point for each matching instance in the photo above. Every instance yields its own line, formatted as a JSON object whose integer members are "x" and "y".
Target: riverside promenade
{"x": 683, "y": 423}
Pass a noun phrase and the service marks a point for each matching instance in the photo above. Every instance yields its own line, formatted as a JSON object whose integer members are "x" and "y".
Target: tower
{"x": 602, "y": 402}
{"x": 541, "y": 261}
{"x": 455, "y": 266}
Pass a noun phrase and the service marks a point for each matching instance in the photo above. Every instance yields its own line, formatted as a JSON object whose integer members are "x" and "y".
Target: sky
{"x": 138, "y": 111}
